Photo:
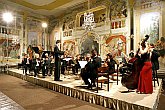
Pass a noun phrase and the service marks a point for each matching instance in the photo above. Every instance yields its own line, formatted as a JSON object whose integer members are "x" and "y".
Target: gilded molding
{"x": 50, "y": 6}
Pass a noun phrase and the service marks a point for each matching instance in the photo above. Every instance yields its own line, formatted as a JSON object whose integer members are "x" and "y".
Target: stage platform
{"x": 116, "y": 98}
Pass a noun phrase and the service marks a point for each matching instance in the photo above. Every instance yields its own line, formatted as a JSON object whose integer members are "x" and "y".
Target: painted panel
{"x": 149, "y": 24}
{"x": 32, "y": 38}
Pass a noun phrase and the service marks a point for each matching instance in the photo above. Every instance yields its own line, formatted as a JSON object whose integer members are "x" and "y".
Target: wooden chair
{"x": 103, "y": 71}
{"x": 116, "y": 72}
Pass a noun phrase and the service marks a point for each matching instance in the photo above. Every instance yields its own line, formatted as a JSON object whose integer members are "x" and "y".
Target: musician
{"x": 77, "y": 65}
{"x": 46, "y": 64}
{"x": 86, "y": 72}
{"x": 36, "y": 64}
{"x": 111, "y": 64}
{"x": 24, "y": 63}
{"x": 154, "y": 59}
{"x": 96, "y": 62}
{"x": 57, "y": 55}
{"x": 30, "y": 52}
{"x": 50, "y": 66}
{"x": 63, "y": 66}
{"x": 145, "y": 78}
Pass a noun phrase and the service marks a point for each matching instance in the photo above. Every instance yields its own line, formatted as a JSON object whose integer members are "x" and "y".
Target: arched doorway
{"x": 90, "y": 40}
{"x": 88, "y": 45}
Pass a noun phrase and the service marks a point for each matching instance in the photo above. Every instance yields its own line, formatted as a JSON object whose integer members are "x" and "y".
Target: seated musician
{"x": 50, "y": 65}
{"x": 96, "y": 62}
{"x": 128, "y": 66}
{"x": 111, "y": 64}
{"x": 63, "y": 66}
{"x": 86, "y": 72}
{"x": 77, "y": 65}
{"x": 91, "y": 69}
{"x": 72, "y": 63}
{"x": 64, "y": 63}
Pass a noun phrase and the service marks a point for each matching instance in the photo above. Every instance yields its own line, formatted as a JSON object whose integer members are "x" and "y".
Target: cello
{"x": 130, "y": 78}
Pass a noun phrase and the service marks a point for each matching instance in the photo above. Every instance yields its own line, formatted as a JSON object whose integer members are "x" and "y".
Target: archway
{"x": 89, "y": 41}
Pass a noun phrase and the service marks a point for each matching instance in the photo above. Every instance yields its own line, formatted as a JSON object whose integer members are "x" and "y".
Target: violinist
{"x": 24, "y": 63}
{"x": 145, "y": 78}
{"x": 77, "y": 65}
{"x": 46, "y": 64}
{"x": 111, "y": 64}
{"x": 36, "y": 64}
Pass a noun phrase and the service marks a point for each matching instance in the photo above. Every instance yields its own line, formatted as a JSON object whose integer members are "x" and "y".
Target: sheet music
{"x": 67, "y": 59}
{"x": 82, "y": 63}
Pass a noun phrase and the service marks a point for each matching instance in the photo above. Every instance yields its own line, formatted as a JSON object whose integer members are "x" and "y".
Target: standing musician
{"x": 57, "y": 55}
{"x": 46, "y": 63}
{"x": 155, "y": 62}
{"x": 24, "y": 63}
{"x": 36, "y": 64}
{"x": 145, "y": 78}
{"x": 30, "y": 58}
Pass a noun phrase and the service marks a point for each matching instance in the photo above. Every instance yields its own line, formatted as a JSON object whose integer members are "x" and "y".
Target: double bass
{"x": 130, "y": 78}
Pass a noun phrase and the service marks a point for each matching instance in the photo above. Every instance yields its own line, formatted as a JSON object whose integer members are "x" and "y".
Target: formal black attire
{"x": 36, "y": 66}
{"x": 86, "y": 72}
{"x": 154, "y": 59}
{"x": 96, "y": 63}
{"x": 111, "y": 65}
{"x": 57, "y": 55}
{"x": 24, "y": 63}
{"x": 63, "y": 66}
{"x": 45, "y": 67}
{"x": 155, "y": 63}
{"x": 77, "y": 66}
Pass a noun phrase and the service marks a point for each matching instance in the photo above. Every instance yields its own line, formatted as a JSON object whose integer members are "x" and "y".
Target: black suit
{"x": 96, "y": 64}
{"x": 57, "y": 54}
{"x": 154, "y": 59}
{"x": 24, "y": 65}
{"x": 90, "y": 71}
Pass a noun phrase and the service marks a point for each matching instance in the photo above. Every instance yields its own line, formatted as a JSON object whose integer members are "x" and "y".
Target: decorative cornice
{"x": 50, "y": 6}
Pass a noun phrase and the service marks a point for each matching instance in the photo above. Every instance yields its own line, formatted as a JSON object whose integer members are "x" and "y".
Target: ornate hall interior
{"x": 111, "y": 27}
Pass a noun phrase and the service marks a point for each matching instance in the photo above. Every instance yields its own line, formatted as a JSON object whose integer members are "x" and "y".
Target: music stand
{"x": 67, "y": 59}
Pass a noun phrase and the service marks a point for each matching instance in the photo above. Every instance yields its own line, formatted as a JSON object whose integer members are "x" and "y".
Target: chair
{"x": 69, "y": 68}
{"x": 116, "y": 73}
{"x": 103, "y": 71}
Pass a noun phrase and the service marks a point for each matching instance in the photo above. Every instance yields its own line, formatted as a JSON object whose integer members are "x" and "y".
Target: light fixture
{"x": 7, "y": 17}
{"x": 44, "y": 25}
{"x": 44, "y": 42}
{"x": 89, "y": 22}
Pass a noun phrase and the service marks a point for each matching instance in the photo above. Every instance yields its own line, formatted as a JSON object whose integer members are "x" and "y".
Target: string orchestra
{"x": 40, "y": 61}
